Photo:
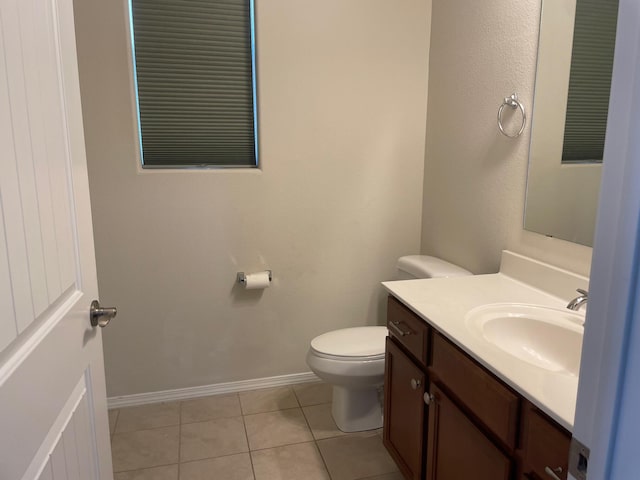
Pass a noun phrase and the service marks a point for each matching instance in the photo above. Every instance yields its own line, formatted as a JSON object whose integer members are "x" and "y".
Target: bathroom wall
{"x": 342, "y": 98}
{"x": 475, "y": 178}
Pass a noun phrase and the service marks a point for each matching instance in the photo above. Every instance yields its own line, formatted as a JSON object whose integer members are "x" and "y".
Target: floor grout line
{"x": 240, "y": 402}
{"x": 315, "y": 443}
{"x": 272, "y": 411}
{"x": 212, "y": 419}
{"x": 295, "y": 395}
{"x": 146, "y": 429}
{"x": 214, "y": 458}
{"x": 146, "y": 468}
{"x": 179, "y": 436}
{"x": 246, "y": 435}
{"x": 324, "y": 462}
{"x": 280, "y": 446}
{"x": 115, "y": 424}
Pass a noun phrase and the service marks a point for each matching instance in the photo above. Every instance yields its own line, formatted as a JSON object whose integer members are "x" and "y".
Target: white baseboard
{"x": 206, "y": 390}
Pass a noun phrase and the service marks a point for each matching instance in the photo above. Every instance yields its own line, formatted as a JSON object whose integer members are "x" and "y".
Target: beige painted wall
{"x": 475, "y": 178}
{"x": 342, "y": 101}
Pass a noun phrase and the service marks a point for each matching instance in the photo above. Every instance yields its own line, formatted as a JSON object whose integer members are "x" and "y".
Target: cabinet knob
{"x": 415, "y": 383}
{"x": 429, "y": 398}
{"x": 551, "y": 472}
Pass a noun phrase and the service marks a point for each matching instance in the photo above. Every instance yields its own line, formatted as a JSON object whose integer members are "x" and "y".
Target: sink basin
{"x": 548, "y": 338}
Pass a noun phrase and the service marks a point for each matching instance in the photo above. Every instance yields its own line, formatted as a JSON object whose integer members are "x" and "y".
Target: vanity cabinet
{"x": 446, "y": 417}
{"x": 544, "y": 447}
{"x": 411, "y": 332}
{"x": 404, "y": 411}
{"x": 485, "y": 398}
{"x": 457, "y": 448}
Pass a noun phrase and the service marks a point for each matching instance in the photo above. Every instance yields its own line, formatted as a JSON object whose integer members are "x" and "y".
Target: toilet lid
{"x": 351, "y": 342}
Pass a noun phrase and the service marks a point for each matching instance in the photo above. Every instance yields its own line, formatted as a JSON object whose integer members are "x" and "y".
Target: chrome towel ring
{"x": 514, "y": 103}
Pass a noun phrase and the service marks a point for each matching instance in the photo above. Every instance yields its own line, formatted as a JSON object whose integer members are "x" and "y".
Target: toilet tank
{"x": 424, "y": 266}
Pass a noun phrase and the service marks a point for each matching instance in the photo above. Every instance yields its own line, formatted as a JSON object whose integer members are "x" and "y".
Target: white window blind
{"x": 195, "y": 82}
{"x": 590, "y": 80}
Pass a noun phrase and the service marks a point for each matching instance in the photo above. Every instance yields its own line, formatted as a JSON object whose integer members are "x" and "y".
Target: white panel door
{"x": 53, "y": 416}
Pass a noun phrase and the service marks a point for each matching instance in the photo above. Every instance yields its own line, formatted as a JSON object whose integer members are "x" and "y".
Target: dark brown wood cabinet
{"x": 410, "y": 330}
{"x": 404, "y": 411}
{"x": 458, "y": 449}
{"x": 544, "y": 446}
{"x": 485, "y": 397}
{"x": 447, "y": 418}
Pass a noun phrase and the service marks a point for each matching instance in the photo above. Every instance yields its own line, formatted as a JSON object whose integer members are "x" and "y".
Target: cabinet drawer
{"x": 483, "y": 395}
{"x": 409, "y": 329}
{"x": 545, "y": 446}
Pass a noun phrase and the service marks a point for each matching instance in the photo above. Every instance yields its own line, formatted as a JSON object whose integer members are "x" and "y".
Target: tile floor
{"x": 283, "y": 433}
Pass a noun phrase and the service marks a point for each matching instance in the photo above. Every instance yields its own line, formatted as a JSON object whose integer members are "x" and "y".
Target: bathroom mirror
{"x": 573, "y": 79}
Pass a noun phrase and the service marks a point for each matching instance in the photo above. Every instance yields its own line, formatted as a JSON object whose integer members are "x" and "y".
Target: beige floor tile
{"x": 386, "y": 476}
{"x": 231, "y": 467}
{"x": 274, "y": 429}
{"x": 356, "y": 456}
{"x": 145, "y": 417}
{"x": 144, "y": 448}
{"x": 267, "y": 400}
{"x": 313, "y": 393}
{"x": 169, "y": 472}
{"x": 300, "y": 461}
{"x": 210, "y": 408}
{"x": 321, "y": 422}
{"x": 214, "y": 438}
{"x": 113, "y": 418}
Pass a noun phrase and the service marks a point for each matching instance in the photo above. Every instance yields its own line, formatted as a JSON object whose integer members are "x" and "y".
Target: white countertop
{"x": 444, "y": 302}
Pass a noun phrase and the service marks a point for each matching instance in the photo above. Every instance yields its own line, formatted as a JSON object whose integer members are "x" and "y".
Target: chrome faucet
{"x": 580, "y": 300}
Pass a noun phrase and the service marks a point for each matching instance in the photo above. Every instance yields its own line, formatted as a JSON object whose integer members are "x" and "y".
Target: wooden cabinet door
{"x": 545, "y": 446}
{"x": 404, "y": 411}
{"x": 457, "y": 449}
{"x": 492, "y": 403}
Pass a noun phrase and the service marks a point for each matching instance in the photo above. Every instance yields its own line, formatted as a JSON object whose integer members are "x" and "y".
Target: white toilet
{"x": 352, "y": 359}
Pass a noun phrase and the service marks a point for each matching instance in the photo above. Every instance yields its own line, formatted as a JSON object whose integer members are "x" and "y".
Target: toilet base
{"x": 356, "y": 409}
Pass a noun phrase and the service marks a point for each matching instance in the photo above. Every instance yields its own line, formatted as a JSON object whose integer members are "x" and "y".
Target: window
{"x": 195, "y": 79}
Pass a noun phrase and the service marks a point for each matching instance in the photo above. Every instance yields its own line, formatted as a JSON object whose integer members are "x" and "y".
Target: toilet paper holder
{"x": 242, "y": 277}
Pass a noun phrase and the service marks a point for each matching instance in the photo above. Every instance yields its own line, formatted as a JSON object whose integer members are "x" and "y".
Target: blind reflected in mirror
{"x": 594, "y": 39}
{"x": 569, "y": 119}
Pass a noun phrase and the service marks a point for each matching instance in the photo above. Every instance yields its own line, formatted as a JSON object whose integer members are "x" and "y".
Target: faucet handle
{"x": 582, "y": 292}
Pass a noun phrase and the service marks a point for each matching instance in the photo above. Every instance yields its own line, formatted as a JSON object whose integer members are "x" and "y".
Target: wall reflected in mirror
{"x": 573, "y": 79}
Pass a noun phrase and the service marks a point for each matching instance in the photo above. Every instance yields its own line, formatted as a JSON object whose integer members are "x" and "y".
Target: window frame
{"x": 142, "y": 167}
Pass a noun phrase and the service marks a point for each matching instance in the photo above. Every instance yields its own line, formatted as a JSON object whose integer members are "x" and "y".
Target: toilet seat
{"x": 344, "y": 358}
{"x": 351, "y": 344}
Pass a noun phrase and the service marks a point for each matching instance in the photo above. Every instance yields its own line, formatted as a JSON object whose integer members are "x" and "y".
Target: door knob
{"x": 101, "y": 316}
{"x": 415, "y": 383}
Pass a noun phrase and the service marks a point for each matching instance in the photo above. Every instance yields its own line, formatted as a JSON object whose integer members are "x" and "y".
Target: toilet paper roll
{"x": 257, "y": 281}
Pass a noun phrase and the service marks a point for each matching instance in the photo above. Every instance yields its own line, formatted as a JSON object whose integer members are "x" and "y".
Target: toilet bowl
{"x": 352, "y": 359}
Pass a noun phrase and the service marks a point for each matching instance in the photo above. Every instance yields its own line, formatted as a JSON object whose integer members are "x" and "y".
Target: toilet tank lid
{"x": 351, "y": 342}
{"x": 424, "y": 266}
